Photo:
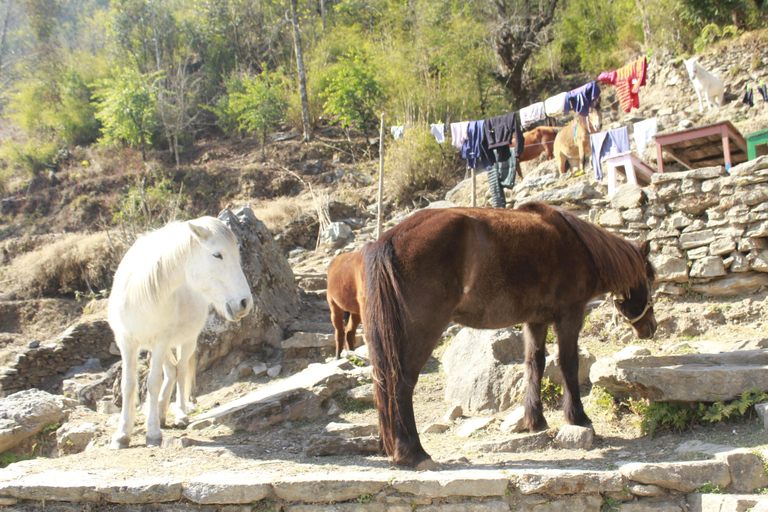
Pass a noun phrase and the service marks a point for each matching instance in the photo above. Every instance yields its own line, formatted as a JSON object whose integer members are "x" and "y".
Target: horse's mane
{"x": 158, "y": 253}
{"x": 619, "y": 263}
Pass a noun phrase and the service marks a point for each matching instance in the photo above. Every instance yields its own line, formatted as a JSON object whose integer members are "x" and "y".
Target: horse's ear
{"x": 199, "y": 231}
{"x": 645, "y": 249}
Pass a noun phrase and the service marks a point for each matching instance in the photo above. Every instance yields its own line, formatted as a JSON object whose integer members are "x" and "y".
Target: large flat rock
{"x": 683, "y": 378}
{"x": 296, "y": 397}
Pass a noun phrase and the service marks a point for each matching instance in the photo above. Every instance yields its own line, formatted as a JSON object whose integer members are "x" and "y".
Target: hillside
{"x": 283, "y": 185}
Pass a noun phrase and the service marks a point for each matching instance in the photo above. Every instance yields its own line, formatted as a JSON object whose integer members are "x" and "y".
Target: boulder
{"x": 24, "y": 414}
{"x": 478, "y": 374}
{"x": 337, "y": 235}
{"x": 574, "y": 437}
{"x": 684, "y": 378}
{"x": 75, "y": 438}
{"x": 275, "y": 294}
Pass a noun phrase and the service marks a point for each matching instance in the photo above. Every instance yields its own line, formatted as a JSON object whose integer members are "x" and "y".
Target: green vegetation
{"x": 661, "y": 415}
{"x": 158, "y": 74}
{"x": 551, "y": 393}
{"x": 710, "y": 488}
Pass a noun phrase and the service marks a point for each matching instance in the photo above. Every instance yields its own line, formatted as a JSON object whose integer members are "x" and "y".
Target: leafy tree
{"x": 352, "y": 92}
{"x": 257, "y": 103}
{"x": 126, "y": 106}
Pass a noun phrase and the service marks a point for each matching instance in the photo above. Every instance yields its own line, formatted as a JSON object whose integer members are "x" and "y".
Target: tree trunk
{"x": 302, "y": 72}
{"x": 516, "y": 40}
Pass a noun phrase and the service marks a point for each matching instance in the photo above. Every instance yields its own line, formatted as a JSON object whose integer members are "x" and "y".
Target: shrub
{"x": 30, "y": 157}
{"x": 352, "y": 91}
{"x": 661, "y": 415}
{"x": 146, "y": 207}
{"x": 418, "y": 164}
{"x": 73, "y": 263}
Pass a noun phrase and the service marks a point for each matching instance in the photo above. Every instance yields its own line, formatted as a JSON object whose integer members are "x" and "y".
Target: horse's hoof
{"x": 120, "y": 444}
{"x": 155, "y": 441}
{"x": 426, "y": 465}
{"x": 181, "y": 422}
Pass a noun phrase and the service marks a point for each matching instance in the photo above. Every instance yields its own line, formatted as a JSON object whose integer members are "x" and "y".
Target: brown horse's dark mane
{"x": 619, "y": 263}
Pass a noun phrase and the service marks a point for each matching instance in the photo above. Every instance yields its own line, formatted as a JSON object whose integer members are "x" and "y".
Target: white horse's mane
{"x": 157, "y": 253}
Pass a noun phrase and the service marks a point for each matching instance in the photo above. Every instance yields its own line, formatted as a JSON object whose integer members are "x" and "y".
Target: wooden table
{"x": 703, "y": 146}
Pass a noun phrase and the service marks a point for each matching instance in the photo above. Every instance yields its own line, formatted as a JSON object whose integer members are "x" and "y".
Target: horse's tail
{"x": 384, "y": 333}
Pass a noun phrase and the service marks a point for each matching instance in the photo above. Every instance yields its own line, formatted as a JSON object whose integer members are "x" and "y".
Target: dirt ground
{"x": 279, "y": 449}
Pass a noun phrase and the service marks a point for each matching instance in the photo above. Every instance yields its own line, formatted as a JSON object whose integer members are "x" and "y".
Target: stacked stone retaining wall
{"x": 708, "y": 227}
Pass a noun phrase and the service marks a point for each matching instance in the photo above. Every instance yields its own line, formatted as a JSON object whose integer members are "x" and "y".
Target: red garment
{"x": 628, "y": 80}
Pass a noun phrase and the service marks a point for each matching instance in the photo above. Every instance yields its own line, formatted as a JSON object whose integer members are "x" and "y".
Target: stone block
{"x": 324, "y": 487}
{"x": 709, "y": 266}
{"x": 722, "y": 246}
{"x": 742, "y": 283}
{"x": 680, "y": 476}
{"x": 670, "y": 268}
{"x": 141, "y": 490}
{"x": 226, "y": 488}
{"x": 56, "y": 485}
{"x": 565, "y": 481}
{"x": 443, "y": 484}
{"x": 611, "y": 218}
{"x": 473, "y": 425}
{"x": 696, "y": 239}
{"x": 684, "y": 377}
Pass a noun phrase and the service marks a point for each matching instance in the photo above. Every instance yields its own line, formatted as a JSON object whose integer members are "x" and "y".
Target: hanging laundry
{"x": 532, "y": 113}
{"x": 501, "y": 175}
{"x": 459, "y": 133}
{"x": 643, "y": 133}
{"x": 628, "y": 80}
{"x": 397, "y": 132}
{"x": 581, "y": 99}
{"x": 438, "y": 130}
{"x": 607, "y": 143}
{"x": 555, "y": 105}
{"x": 475, "y": 149}
{"x": 763, "y": 90}
{"x": 500, "y": 130}
{"x": 747, "y": 99}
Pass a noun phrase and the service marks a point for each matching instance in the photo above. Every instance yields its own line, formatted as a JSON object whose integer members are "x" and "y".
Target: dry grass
{"x": 278, "y": 213}
{"x": 76, "y": 262}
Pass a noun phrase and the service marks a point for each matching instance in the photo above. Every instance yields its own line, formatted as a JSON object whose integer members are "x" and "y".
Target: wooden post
{"x": 381, "y": 179}
{"x": 474, "y": 187}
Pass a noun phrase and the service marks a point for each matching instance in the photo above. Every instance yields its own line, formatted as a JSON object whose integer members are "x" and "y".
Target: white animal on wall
{"x": 706, "y": 82}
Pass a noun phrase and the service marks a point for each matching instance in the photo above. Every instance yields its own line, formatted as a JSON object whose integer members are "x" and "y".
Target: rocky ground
{"x": 686, "y": 325}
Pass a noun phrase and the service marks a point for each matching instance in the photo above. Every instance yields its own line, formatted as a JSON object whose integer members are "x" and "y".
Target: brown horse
{"x": 489, "y": 269}
{"x": 537, "y": 141}
{"x": 572, "y": 141}
{"x": 346, "y": 297}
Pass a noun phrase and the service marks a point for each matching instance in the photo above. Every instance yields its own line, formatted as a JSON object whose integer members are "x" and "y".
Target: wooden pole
{"x": 474, "y": 187}
{"x": 381, "y": 179}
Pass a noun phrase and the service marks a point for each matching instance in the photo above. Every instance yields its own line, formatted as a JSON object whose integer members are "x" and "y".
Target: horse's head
{"x": 596, "y": 116}
{"x": 213, "y": 268}
{"x": 637, "y": 306}
{"x": 692, "y": 66}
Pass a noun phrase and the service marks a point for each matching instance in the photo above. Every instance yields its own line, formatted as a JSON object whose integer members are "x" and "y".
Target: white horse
{"x": 159, "y": 302}
{"x": 706, "y": 82}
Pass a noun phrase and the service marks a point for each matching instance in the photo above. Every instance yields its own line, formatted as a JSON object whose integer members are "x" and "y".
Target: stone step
{"x": 516, "y": 489}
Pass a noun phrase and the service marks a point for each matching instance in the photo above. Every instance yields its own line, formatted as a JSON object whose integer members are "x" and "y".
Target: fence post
{"x": 381, "y": 178}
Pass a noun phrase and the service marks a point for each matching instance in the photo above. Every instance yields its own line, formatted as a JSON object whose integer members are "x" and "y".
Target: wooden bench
{"x": 631, "y": 166}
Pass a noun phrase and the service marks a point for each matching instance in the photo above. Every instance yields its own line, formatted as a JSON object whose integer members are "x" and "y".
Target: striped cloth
{"x": 628, "y": 80}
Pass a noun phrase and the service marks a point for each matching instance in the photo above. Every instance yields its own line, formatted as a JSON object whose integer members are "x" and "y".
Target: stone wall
{"x": 634, "y": 487}
{"x": 44, "y": 365}
{"x": 707, "y": 227}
